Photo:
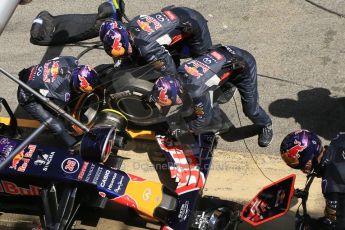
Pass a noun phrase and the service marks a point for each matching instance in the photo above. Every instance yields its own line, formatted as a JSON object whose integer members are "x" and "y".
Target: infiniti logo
{"x": 147, "y": 194}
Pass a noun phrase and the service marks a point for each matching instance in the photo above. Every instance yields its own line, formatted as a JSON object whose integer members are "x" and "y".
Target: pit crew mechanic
{"x": 200, "y": 80}
{"x": 303, "y": 150}
{"x": 146, "y": 38}
{"x": 60, "y": 79}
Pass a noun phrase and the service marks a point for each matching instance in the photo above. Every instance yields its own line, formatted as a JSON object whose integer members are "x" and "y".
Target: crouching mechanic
{"x": 161, "y": 38}
{"x": 202, "y": 78}
{"x": 60, "y": 79}
{"x": 303, "y": 150}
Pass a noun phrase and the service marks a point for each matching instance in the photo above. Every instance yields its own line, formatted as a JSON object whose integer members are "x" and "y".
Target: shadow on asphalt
{"x": 240, "y": 133}
{"x": 315, "y": 110}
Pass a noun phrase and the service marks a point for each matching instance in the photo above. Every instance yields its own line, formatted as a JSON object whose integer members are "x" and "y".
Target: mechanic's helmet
{"x": 108, "y": 25}
{"x": 300, "y": 147}
{"x": 84, "y": 79}
{"x": 166, "y": 91}
{"x": 116, "y": 42}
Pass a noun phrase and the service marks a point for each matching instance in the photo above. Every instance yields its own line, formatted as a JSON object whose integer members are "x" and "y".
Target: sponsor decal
{"x": 70, "y": 165}
{"x": 196, "y": 68}
{"x": 112, "y": 181}
{"x": 184, "y": 211}
{"x": 185, "y": 168}
{"x": 67, "y": 97}
{"x": 217, "y": 55}
{"x": 206, "y": 60}
{"x": 21, "y": 160}
{"x": 13, "y": 189}
{"x": 6, "y": 147}
{"x": 105, "y": 178}
{"x": 46, "y": 72}
{"x": 119, "y": 185}
{"x": 39, "y": 70}
{"x": 170, "y": 15}
{"x": 54, "y": 70}
{"x": 147, "y": 194}
{"x": 97, "y": 175}
{"x": 83, "y": 170}
{"x": 149, "y": 24}
{"x": 199, "y": 110}
{"x": 160, "y": 17}
{"x": 230, "y": 50}
{"x": 44, "y": 159}
{"x": 90, "y": 172}
{"x": 33, "y": 72}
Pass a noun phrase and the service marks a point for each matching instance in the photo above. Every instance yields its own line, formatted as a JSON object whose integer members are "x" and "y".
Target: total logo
{"x": 70, "y": 165}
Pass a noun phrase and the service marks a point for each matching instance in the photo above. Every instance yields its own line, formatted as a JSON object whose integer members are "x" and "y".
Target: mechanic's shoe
{"x": 265, "y": 136}
{"x": 228, "y": 93}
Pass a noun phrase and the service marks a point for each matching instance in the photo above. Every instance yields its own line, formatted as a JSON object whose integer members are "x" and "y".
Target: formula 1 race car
{"x": 56, "y": 184}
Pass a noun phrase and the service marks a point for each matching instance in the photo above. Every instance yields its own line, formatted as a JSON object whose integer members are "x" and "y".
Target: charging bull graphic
{"x": 148, "y": 24}
{"x": 292, "y": 155}
{"x": 196, "y": 68}
{"x": 22, "y": 159}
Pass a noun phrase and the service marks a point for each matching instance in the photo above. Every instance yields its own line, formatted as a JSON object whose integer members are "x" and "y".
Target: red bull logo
{"x": 54, "y": 71}
{"x": 292, "y": 155}
{"x": 145, "y": 26}
{"x": 117, "y": 45}
{"x": 146, "y": 22}
{"x": 12, "y": 188}
{"x": 21, "y": 160}
{"x": 163, "y": 97}
{"x": 295, "y": 150}
{"x": 199, "y": 111}
{"x": 196, "y": 68}
{"x": 84, "y": 85}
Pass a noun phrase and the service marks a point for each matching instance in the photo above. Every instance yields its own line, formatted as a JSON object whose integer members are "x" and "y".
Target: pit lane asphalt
{"x": 299, "y": 49}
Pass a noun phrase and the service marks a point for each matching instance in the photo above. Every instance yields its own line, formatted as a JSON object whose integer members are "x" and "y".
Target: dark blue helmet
{"x": 84, "y": 79}
{"x": 116, "y": 41}
{"x": 300, "y": 147}
{"x": 108, "y": 25}
{"x": 166, "y": 91}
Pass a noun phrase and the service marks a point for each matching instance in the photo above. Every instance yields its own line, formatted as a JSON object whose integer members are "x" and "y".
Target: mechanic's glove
{"x": 107, "y": 10}
{"x": 183, "y": 136}
{"x": 176, "y": 133}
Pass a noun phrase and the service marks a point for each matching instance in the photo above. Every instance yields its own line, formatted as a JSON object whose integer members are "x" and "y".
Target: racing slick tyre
{"x": 85, "y": 110}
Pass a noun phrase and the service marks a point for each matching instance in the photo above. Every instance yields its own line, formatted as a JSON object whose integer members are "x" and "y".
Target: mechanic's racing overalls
{"x": 202, "y": 76}
{"x": 201, "y": 79}
{"x": 182, "y": 29}
{"x": 53, "y": 80}
{"x": 332, "y": 169}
